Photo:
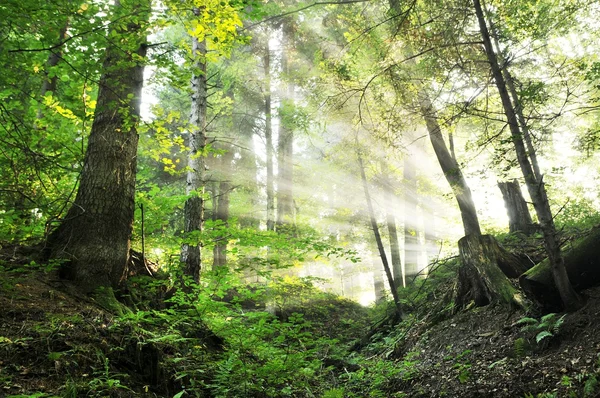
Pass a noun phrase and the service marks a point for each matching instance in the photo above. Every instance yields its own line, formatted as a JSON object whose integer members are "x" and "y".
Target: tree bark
{"x": 95, "y": 234}
{"x": 450, "y": 167}
{"x": 581, "y": 263}
{"x": 535, "y": 186}
{"x": 518, "y": 106}
{"x": 519, "y": 219}
{"x": 492, "y": 264}
{"x": 193, "y": 213}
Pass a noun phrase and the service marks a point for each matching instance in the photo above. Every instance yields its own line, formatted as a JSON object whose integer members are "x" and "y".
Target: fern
{"x": 590, "y": 386}
{"x": 520, "y": 347}
{"x": 527, "y": 321}
{"x": 542, "y": 335}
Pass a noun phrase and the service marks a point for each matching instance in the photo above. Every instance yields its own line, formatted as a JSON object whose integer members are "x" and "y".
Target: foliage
{"x": 548, "y": 326}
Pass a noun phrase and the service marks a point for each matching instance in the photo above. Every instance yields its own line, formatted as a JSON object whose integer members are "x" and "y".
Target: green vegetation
{"x": 226, "y": 198}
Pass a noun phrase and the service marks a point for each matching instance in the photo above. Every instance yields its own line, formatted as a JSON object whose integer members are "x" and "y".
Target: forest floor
{"x": 53, "y": 340}
{"x": 491, "y": 352}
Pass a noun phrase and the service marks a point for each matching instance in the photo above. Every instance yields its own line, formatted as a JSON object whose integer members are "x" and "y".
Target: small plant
{"x": 546, "y": 327}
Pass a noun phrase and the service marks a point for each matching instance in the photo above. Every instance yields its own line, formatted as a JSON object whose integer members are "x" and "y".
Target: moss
{"x": 105, "y": 298}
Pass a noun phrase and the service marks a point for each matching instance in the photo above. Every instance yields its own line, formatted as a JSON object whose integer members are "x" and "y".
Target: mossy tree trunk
{"x": 485, "y": 267}
{"x": 480, "y": 278}
{"x": 581, "y": 263}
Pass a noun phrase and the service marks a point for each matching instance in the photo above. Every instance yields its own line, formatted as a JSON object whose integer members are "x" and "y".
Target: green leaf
{"x": 542, "y": 335}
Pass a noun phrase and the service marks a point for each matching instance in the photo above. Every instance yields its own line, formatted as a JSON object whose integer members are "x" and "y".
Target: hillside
{"x": 56, "y": 343}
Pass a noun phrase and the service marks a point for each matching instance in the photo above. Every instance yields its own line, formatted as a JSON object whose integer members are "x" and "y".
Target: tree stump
{"x": 582, "y": 261}
{"x": 519, "y": 219}
{"x": 484, "y": 272}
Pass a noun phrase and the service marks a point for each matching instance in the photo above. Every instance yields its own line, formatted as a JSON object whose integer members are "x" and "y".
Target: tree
{"x": 95, "y": 234}
{"x": 519, "y": 219}
{"x": 285, "y": 143}
{"x": 411, "y": 240}
{"x": 221, "y": 207}
{"x": 191, "y": 254}
{"x": 390, "y": 220}
{"x": 379, "y": 241}
{"x": 535, "y": 184}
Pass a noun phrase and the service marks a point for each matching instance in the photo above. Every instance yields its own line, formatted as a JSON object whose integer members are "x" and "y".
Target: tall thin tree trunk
{"x": 450, "y": 167}
{"x": 222, "y": 209}
{"x": 269, "y": 138}
{"x": 285, "y": 147}
{"x": 535, "y": 186}
{"x": 378, "y": 283}
{"x": 431, "y": 247}
{"x": 379, "y": 241}
{"x": 95, "y": 234}
{"x": 518, "y": 106}
{"x": 411, "y": 242}
{"x": 191, "y": 254}
{"x": 392, "y": 232}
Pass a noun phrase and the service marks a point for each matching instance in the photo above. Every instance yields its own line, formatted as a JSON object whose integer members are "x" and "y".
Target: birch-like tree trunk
{"x": 193, "y": 213}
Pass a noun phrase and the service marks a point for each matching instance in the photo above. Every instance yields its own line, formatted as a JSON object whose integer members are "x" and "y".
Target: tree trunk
{"x": 431, "y": 245}
{"x": 378, "y": 240}
{"x": 581, "y": 263}
{"x": 519, "y": 219}
{"x": 285, "y": 147}
{"x": 269, "y": 139}
{"x": 378, "y": 283}
{"x": 95, "y": 234}
{"x": 411, "y": 238}
{"x": 518, "y": 106}
{"x": 392, "y": 231}
{"x": 535, "y": 186}
{"x": 450, "y": 167}
{"x": 222, "y": 209}
{"x": 191, "y": 253}
{"x": 492, "y": 264}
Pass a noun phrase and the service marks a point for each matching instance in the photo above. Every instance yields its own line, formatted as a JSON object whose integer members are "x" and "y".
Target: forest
{"x": 277, "y": 198}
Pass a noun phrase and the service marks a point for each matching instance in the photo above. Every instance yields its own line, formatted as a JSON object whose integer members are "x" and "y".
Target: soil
{"x": 486, "y": 352}
{"x": 51, "y": 336}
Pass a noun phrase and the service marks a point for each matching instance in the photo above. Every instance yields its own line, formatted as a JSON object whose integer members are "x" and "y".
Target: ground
{"x": 487, "y": 352}
{"x": 55, "y": 340}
